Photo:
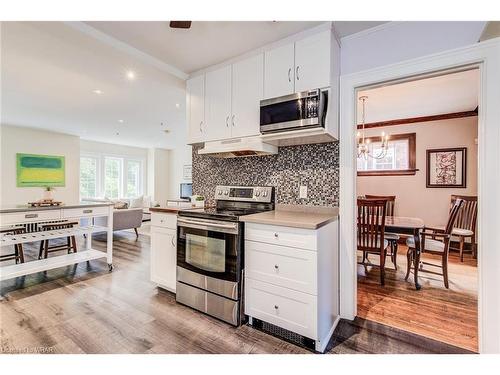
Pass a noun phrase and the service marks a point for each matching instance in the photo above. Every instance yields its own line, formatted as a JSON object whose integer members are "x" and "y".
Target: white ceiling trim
{"x": 124, "y": 47}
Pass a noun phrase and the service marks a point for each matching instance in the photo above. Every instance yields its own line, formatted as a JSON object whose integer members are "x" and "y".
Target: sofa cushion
{"x": 137, "y": 202}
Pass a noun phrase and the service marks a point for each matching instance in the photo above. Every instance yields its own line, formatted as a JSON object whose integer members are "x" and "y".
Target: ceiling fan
{"x": 180, "y": 24}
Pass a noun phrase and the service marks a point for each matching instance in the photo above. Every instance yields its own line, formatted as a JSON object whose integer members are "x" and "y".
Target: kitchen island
{"x": 29, "y": 219}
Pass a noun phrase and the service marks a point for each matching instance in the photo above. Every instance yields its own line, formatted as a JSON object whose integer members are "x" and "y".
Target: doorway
{"x": 417, "y": 146}
{"x": 486, "y": 56}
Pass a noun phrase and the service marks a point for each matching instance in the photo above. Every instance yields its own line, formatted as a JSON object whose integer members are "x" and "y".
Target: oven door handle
{"x": 205, "y": 225}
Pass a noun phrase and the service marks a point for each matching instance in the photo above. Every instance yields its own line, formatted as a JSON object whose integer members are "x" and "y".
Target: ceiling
{"x": 50, "y": 71}
{"x": 208, "y": 43}
{"x": 49, "y": 74}
{"x": 450, "y": 93}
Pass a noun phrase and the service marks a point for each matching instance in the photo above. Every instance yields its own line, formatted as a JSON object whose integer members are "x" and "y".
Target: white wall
{"x": 25, "y": 140}
{"x": 412, "y": 197}
{"x": 397, "y": 41}
{"x": 113, "y": 149}
{"x": 177, "y": 159}
{"x": 158, "y": 175}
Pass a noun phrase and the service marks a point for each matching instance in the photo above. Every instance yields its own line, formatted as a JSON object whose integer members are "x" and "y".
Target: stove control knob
{"x": 264, "y": 194}
{"x": 257, "y": 193}
{"x": 219, "y": 192}
{"x": 226, "y": 192}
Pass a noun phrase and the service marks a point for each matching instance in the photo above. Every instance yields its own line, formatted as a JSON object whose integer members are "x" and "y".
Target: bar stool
{"x": 70, "y": 245}
{"x": 18, "y": 254}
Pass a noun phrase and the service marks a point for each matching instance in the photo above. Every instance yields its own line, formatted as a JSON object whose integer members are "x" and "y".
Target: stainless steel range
{"x": 210, "y": 248}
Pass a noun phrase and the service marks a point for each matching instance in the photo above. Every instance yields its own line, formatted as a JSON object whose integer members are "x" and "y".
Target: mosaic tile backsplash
{"x": 315, "y": 166}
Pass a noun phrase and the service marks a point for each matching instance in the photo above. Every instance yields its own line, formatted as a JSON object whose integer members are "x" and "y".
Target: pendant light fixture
{"x": 364, "y": 143}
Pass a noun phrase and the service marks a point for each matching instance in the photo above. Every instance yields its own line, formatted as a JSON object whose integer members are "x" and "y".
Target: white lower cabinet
{"x": 293, "y": 282}
{"x": 164, "y": 250}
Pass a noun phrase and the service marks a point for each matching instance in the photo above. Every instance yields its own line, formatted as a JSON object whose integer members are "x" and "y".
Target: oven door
{"x": 297, "y": 111}
{"x": 209, "y": 247}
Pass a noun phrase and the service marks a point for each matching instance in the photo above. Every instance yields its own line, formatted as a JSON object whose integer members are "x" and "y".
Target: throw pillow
{"x": 137, "y": 202}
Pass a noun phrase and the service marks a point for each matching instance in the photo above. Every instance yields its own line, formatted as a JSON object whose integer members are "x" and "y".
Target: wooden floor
{"x": 86, "y": 309}
{"x": 435, "y": 312}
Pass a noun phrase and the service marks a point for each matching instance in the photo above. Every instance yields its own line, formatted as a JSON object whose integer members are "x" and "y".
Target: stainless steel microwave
{"x": 302, "y": 110}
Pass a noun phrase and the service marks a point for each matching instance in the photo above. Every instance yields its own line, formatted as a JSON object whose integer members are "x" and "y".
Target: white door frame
{"x": 487, "y": 56}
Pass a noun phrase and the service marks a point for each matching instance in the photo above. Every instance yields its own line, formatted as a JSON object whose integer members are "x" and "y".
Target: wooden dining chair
{"x": 435, "y": 241}
{"x": 392, "y": 238}
{"x": 465, "y": 226}
{"x": 370, "y": 228}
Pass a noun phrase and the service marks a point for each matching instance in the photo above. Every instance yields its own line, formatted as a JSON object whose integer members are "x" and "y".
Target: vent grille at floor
{"x": 284, "y": 334}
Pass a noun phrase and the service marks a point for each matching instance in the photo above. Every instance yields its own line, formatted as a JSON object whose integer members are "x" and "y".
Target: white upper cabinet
{"x": 195, "y": 106}
{"x": 247, "y": 92}
{"x": 218, "y": 104}
{"x": 225, "y": 103}
{"x": 279, "y": 71}
{"x": 313, "y": 62}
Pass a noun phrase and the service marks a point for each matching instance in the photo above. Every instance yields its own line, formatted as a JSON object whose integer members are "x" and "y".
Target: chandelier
{"x": 364, "y": 143}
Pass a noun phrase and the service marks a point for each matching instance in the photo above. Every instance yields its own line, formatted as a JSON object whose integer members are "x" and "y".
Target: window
{"x": 399, "y": 160}
{"x": 109, "y": 176}
{"x": 133, "y": 178}
{"x": 88, "y": 176}
{"x": 112, "y": 177}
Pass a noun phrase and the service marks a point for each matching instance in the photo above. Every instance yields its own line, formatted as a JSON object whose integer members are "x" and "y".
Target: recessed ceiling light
{"x": 97, "y": 91}
{"x": 120, "y": 121}
{"x": 177, "y": 105}
{"x": 131, "y": 75}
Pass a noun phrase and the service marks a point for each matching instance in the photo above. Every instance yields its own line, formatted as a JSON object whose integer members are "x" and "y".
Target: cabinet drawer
{"x": 164, "y": 220}
{"x": 283, "y": 307}
{"x": 27, "y": 217}
{"x": 284, "y": 236}
{"x": 283, "y": 266}
{"x": 84, "y": 212}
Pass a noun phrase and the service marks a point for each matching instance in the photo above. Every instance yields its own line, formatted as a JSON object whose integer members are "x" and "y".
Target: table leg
{"x": 416, "y": 259}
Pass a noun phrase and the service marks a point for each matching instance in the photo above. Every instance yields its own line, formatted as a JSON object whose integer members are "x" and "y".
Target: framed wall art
{"x": 446, "y": 168}
{"x": 40, "y": 170}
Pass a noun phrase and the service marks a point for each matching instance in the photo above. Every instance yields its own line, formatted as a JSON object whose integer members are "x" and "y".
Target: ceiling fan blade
{"x": 180, "y": 24}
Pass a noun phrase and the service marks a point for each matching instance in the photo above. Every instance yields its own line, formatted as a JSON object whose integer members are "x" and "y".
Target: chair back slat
{"x": 390, "y": 199}
{"x": 371, "y": 224}
{"x": 457, "y": 205}
{"x": 467, "y": 216}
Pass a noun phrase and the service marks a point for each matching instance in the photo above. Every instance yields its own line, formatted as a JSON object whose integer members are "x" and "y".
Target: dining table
{"x": 410, "y": 226}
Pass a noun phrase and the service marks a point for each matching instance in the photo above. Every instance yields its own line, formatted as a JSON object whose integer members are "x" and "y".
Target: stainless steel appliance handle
{"x": 205, "y": 224}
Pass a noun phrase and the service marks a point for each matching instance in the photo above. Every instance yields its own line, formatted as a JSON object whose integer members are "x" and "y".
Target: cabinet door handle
{"x": 297, "y": 72}
{"x": 289, "y": 72}
{"x": 276, "y": 235}
{"x": 201, "y": 122}
{"x": 276, "y": 307}
{"x": 276, "y": 266}
{"x": 30, "y": 216}
{"x": 227, "y": 122}
{"x": 232, "y": 120}
{"x": 87, "y": 211}
{"x": 173, "y": 241}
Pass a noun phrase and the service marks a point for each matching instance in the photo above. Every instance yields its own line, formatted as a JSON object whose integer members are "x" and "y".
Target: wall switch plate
{"x": 303, "y": 192}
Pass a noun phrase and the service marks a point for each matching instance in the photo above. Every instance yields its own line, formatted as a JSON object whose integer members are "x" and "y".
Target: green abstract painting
{"x": 40, "y": 170}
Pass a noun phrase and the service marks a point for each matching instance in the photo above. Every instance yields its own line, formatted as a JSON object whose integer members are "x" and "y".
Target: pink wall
{"x": 412, "y": 197}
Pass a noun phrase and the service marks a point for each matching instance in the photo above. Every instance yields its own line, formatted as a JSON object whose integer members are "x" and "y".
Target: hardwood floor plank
{"x": 448, "y": 315}
{"x": 86, "y": 309}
